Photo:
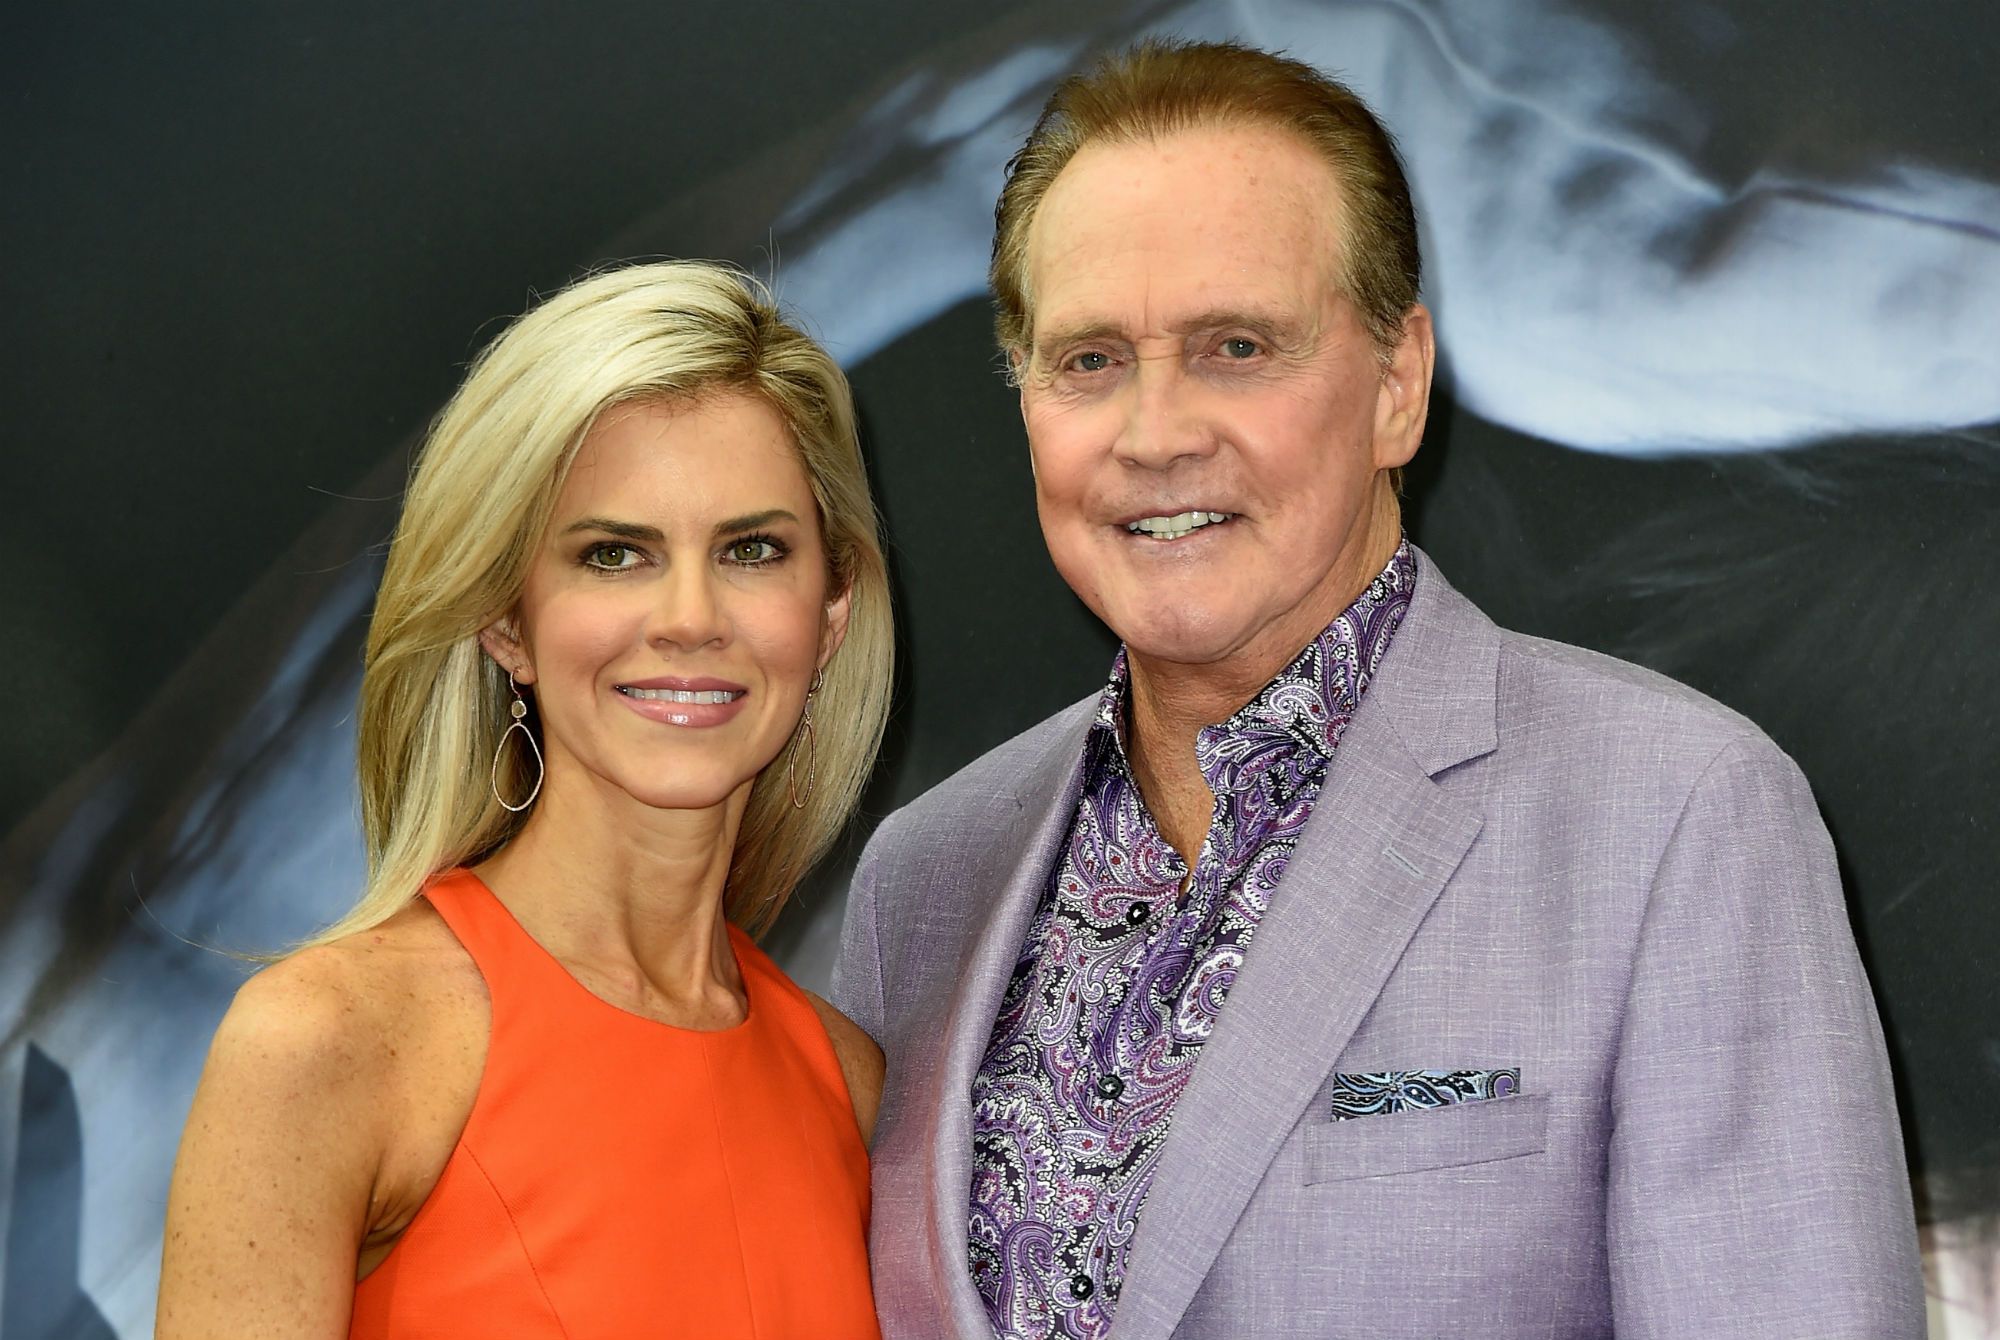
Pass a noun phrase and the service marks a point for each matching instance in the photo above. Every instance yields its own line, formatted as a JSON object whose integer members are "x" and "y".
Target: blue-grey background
{"x": 1719, "y": 293}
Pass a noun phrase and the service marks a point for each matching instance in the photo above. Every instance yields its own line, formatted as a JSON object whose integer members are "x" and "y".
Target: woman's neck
{"x": 625, "y": 889}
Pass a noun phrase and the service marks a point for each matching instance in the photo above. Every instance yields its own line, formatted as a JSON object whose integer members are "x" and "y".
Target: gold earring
{"x": 803, "y": 736}
{"x": 518, "y": 709}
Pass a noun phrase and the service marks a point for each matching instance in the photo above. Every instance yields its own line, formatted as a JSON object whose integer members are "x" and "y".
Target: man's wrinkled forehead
{"x": 1221, "y": 219}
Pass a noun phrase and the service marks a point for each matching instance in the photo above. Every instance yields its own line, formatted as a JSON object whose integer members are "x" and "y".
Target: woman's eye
{"x": 752, "y": 552}
{"x": 611, "y": 556}
{"x": 1240, "y": 347}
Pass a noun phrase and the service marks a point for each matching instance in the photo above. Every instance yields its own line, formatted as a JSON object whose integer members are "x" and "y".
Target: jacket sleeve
{"x": 1756, "y": 1179}
{"x": 857, "y": 973}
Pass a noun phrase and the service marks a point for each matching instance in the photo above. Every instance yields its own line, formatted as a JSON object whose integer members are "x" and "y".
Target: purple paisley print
{"x": 1384, "y": 1091}
{"x": 1123, "y": 975}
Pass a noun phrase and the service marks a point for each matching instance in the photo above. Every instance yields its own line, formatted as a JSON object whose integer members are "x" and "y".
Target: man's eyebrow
{"x": 1274, "y": 330}
{"x": 1271, "y": 328}
{"x": 1078, "y": 333}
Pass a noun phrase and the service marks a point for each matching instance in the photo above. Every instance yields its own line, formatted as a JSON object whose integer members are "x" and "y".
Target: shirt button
{"x": 1108, "y": 1088}
{"x": 1080, "y": 1287}
{"x": 1136, "y": 914}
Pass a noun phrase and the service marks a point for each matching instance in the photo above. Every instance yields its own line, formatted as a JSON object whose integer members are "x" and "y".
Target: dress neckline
{"x": 737, "y": 946}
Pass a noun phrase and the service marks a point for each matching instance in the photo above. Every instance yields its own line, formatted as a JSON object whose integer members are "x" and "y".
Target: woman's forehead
{"x": 725, "y": 454}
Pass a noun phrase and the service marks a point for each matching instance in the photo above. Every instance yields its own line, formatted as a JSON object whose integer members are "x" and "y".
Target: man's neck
{"x": 1168, "y": 704}
{"x": 1169, "y": 776}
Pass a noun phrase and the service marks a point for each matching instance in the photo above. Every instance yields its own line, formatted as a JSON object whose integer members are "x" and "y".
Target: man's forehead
{"x": 1190, "y": 176}
{"x": 1213, "y": 218}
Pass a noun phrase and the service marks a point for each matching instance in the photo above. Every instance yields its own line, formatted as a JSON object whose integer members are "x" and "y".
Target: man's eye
{"x": 1239, "y": 347}
{"x": 1093, "y": 361}
{"x": 611, "y": 556}
{"x": 752, "y": 552}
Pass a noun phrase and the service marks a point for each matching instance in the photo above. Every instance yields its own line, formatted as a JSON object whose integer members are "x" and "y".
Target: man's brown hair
{"x": 1162, "y": 86}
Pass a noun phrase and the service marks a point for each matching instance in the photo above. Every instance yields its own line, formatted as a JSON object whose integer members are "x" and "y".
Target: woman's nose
{"x": 688, "y": 613}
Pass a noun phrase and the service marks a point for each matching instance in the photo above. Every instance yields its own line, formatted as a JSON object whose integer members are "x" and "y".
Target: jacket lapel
{"x": 1383, "y": 841}
{"x": 1014, "y": 873}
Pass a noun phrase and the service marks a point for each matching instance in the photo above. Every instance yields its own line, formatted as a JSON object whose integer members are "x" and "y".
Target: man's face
{"x": 1192, "y": 357}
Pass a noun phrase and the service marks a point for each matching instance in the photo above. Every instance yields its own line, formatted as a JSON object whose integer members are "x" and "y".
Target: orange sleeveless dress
{"x": 620, "y": 1177}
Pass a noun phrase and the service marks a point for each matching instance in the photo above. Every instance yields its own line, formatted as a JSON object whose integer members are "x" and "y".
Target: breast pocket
{"x": 1425, "y": 1139}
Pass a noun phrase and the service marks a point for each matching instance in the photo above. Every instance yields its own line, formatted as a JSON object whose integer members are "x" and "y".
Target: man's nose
{"x": 689, "y": 611}
{"x": 1162, "y": 425}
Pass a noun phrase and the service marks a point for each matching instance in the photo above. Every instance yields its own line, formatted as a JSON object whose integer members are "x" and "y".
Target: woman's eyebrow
{"x": 632, "y": 530}
{"x": 752, "y": 520}
{"x": 624, "y": 530}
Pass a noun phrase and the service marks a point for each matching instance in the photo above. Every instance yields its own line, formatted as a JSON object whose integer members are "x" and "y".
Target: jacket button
{"x": 1108, "y": 1088}
{"x": 1136, "y": 914}
{"x": 1080, "y": 1287}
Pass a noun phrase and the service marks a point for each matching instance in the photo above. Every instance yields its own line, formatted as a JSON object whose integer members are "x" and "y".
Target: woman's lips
{"x": 684, "y": 702}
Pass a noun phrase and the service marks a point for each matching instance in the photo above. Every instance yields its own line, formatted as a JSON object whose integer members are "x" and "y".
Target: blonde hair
{"x": 433, "y": 704}
{"x": 1161, "y": 86}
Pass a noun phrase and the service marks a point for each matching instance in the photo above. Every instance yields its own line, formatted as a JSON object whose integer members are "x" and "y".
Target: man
{"x": 1519, "y": 978}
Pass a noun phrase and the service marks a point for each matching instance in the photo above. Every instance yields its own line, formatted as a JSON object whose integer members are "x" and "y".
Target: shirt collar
{"x": 1305, "y": 706}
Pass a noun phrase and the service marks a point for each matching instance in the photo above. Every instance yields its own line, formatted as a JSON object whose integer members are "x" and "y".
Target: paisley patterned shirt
{"x": 1122, "y": 976}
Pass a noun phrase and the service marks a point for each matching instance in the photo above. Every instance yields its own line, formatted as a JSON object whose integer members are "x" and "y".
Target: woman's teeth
{"x": 1173, "y": 527}
{"x": 680, "y": 695}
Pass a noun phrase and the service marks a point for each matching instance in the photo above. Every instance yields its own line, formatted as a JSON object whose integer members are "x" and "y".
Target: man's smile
{"x": 1175, "y": 526}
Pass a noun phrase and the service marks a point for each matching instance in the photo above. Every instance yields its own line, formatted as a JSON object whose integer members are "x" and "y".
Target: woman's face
{"x": 678, "y": 606}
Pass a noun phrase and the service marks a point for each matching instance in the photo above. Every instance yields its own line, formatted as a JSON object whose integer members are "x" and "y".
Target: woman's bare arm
{"x": 860, "y": 1062}
{"x": 278, "y": 1165}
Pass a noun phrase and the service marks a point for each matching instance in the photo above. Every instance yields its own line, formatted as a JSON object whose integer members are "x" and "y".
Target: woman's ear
{"x": 502, "y": 642}
{"x": 835, "y": 630}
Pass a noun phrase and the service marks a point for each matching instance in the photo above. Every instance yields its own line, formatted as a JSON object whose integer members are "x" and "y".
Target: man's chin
{"x": 1181, "y": 636}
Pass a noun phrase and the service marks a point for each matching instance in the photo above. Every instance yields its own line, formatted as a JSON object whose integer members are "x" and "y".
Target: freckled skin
{"x": 341, "y": 1077}
{"x": 333, "y": 1095}
{"x": 1191, "y": 349}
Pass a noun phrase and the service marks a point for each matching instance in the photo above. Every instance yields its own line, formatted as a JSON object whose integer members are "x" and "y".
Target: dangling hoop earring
{"x": 803, "y": 736}
{"x": 518, "y": 709}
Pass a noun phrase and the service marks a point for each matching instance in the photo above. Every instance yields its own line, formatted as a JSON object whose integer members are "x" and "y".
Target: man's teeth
{"x": 1173, "y": 527}
{"x": 681, "y": 695}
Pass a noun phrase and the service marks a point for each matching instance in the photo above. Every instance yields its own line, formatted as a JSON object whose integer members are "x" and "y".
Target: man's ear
{"x": 835, "y": 632}
{"x": 502, "y": 641}
{"x": 1402, "y": 400}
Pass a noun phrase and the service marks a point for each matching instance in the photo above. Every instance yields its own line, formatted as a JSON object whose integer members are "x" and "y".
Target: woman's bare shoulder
{"x": 333, "y": 1093}
{"x": 861, "y": 1061}
{"x": 351, "y": 1033}
{"x": 344, "y": 1004}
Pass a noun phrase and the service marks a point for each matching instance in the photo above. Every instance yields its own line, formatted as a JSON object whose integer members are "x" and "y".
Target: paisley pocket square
{"x": 1382, "y": 1091}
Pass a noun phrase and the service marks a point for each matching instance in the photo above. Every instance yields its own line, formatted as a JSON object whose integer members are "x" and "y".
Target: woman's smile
{"x": 684, "y": 702}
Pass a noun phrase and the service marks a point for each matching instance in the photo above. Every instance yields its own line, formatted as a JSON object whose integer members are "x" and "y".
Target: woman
{"x": 627, "y": 674}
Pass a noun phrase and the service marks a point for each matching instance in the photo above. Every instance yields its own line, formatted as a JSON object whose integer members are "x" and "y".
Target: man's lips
{"x": 1169, "y": 526}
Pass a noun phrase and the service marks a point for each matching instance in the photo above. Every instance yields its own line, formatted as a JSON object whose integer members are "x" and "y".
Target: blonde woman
{"x": 627, "y": 673}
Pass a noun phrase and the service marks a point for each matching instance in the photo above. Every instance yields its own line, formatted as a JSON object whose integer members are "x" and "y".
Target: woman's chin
{"x": 682, "y": 792}
{"x": 691, "y": 795}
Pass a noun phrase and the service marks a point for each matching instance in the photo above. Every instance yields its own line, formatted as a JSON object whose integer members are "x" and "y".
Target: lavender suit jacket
{"x": 1524, "y": 855}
